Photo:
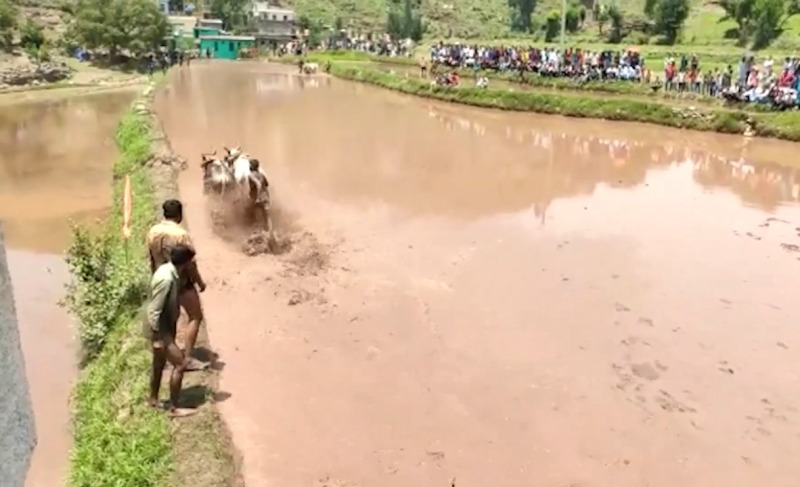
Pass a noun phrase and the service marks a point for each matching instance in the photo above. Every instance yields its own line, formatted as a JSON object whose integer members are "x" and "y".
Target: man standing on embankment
{"x": 161, "y": 239}
{"x": 162, "y": 321}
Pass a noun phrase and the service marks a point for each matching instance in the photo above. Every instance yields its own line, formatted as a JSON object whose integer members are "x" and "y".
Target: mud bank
{"x": 140, "y": 447}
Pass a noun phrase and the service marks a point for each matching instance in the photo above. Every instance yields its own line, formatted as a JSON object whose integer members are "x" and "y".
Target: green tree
{"x": 767, "y": 21}
{"x": 314, "y": 27}
{"x": 759, "y": 20}
{"x": 235, "y": 14}
{"x": 8, "y": 23}
{"x": 600, "y": 14}
{"x": 741, "y": 12}
{"x": 617, "y": 20}
{"x": 668, "y": 17}
{"x": 31, "y": 35}
{"x": 523, "y": 9}
{"x": 574, "y": 17}
{"x": 134, "y": 25}
{"x": 552, "y": 25}
{"x": 405, "y": 24}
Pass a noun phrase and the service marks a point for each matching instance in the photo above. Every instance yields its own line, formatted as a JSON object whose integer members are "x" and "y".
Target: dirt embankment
{"x": 204, "y": 456}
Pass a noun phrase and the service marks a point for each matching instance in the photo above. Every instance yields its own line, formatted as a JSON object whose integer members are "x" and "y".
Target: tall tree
{"x": 741, "y": 12}
{"x": 235, "y": 14}
{"x": 767, "y": 21}
{"x": 759, "y": 20}
{"x": 134, "y": 25}
{"x": 668, "y": 17}
{"x": 8, "y": 22}
{"x": 523, "y": 9}
{"x": 406, "y": 24}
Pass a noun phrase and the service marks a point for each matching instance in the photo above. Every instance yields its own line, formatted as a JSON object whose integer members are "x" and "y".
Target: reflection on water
{"x": 55, "y": 165}
{"x": 618, "y": 162}
{"x": 436, "y": 158}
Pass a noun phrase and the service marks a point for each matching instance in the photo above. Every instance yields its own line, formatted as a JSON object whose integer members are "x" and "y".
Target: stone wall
{"x": 17, "y": 433}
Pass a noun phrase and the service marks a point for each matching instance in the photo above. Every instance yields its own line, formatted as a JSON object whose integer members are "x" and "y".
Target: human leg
{"x": 176, "y": 357}
{"x": 190, "y": 302}
{"x": 159, "y": 362}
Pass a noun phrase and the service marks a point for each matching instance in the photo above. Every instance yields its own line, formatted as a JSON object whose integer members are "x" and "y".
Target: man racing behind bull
{"x": 259, "y": 196}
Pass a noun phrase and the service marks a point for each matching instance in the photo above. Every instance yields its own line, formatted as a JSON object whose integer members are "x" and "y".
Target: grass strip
{"x": 783, "y": 125}
{"x": 532, "y": 80}
{"x": 117, "y": 440}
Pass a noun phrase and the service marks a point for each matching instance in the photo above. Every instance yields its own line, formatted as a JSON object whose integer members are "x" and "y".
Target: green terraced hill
{"x": 489, "y": 19}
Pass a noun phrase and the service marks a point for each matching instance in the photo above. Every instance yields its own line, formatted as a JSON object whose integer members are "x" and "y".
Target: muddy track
{"x": 472, "y": 296}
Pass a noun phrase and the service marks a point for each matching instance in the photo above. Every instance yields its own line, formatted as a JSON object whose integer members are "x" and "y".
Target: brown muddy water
{"x": 55, "y": 168}
{"x": 478, "y": 298}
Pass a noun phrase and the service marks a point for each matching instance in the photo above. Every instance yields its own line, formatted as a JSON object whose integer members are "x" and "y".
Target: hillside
{"x": 489, "y": 19}
{"x": 46, "y": 13}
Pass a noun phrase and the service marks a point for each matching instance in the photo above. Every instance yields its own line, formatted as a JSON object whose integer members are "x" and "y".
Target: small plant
{"x": 105, "y": 286}
{"x": 31, "y": 35}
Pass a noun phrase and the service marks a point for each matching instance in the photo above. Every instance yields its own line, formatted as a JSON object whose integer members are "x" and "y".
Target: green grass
{"x": 117, "y": 440}
{"x": 622, "y": 89}
{"x": 705, "y": 30}
{"x": 784, "y": 125}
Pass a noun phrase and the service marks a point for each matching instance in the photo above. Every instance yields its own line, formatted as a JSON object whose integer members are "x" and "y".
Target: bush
{"x": 31, "y": 35}
{"x": 118, "y": 441}
{"x": 109, "y": 280}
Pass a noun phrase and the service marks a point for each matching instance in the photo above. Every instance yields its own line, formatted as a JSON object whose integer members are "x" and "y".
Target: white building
{"x": 275, "y": 26}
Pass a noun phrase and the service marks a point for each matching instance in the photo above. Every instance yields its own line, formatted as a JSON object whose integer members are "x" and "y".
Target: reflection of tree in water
{"x": 580, "y": 163}
{"x": 573, "y": 165}
{"x": 764, "y": 186}
{"x": 34, "y": 136}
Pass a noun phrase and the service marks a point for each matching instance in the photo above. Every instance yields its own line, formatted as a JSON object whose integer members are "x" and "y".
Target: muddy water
{"x": 496, "y": 298}
{"x": 55, "y": 167}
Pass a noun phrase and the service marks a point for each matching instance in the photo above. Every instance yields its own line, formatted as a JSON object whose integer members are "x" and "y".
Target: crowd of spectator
{"x": 749, "y": 81}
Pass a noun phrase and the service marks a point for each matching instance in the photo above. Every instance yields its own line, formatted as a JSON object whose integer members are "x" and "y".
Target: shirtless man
{"x": 161, "y": 238}
{"x": 259, "y": 196}
{"x": 162, "y": 320}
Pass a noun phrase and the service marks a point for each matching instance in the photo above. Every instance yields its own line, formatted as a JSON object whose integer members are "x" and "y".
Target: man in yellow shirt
{"x": 161, "y": 239}
{"x": 162, "y": 320}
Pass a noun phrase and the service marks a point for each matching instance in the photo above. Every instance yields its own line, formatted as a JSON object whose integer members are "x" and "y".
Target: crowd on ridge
{"x": 775, "y": 82}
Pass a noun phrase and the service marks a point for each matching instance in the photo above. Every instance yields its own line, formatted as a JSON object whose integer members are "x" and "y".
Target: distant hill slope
{"x": 490, "y": 19}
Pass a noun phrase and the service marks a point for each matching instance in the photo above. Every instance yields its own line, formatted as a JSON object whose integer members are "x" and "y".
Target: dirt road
{"x": 481, "y": 298}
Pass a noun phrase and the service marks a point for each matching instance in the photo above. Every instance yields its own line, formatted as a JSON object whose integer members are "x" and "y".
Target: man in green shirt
{"x": 162, "y": 320}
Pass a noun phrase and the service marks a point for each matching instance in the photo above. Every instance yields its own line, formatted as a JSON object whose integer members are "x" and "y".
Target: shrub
{"x": 109, "y": 278}
{"x": 31, "y": 35}
{"x": 118, "y": 440}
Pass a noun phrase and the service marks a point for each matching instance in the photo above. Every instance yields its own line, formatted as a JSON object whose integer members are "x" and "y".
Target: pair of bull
{"x": 239, "y": 176}
{"x": 232, "y": 172}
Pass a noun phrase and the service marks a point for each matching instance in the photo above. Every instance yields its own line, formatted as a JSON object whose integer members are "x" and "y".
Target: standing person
{"x": 161, "y": 239}
{"x": 162, "y": 320}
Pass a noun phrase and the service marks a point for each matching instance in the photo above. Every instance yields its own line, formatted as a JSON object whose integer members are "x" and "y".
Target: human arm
{"x": 191, "y": 269}
{"x": 159, "y": 293}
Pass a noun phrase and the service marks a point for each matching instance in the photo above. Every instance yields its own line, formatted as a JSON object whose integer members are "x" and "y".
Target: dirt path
{"x": 477, "y": 298}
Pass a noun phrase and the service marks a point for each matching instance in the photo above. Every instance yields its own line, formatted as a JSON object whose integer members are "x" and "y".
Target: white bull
{"x": 310, "y": 68}
{"x": 217, "y": 177}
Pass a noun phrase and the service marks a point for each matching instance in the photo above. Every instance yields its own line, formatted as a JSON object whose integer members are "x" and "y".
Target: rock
{"x": 29, "y": 73}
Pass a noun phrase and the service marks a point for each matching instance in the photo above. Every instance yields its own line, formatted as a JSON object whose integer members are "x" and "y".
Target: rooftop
{"x": 228, "y": 38}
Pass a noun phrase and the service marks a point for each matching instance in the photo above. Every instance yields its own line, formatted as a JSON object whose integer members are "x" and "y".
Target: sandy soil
{"x": 474, "y": 298}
